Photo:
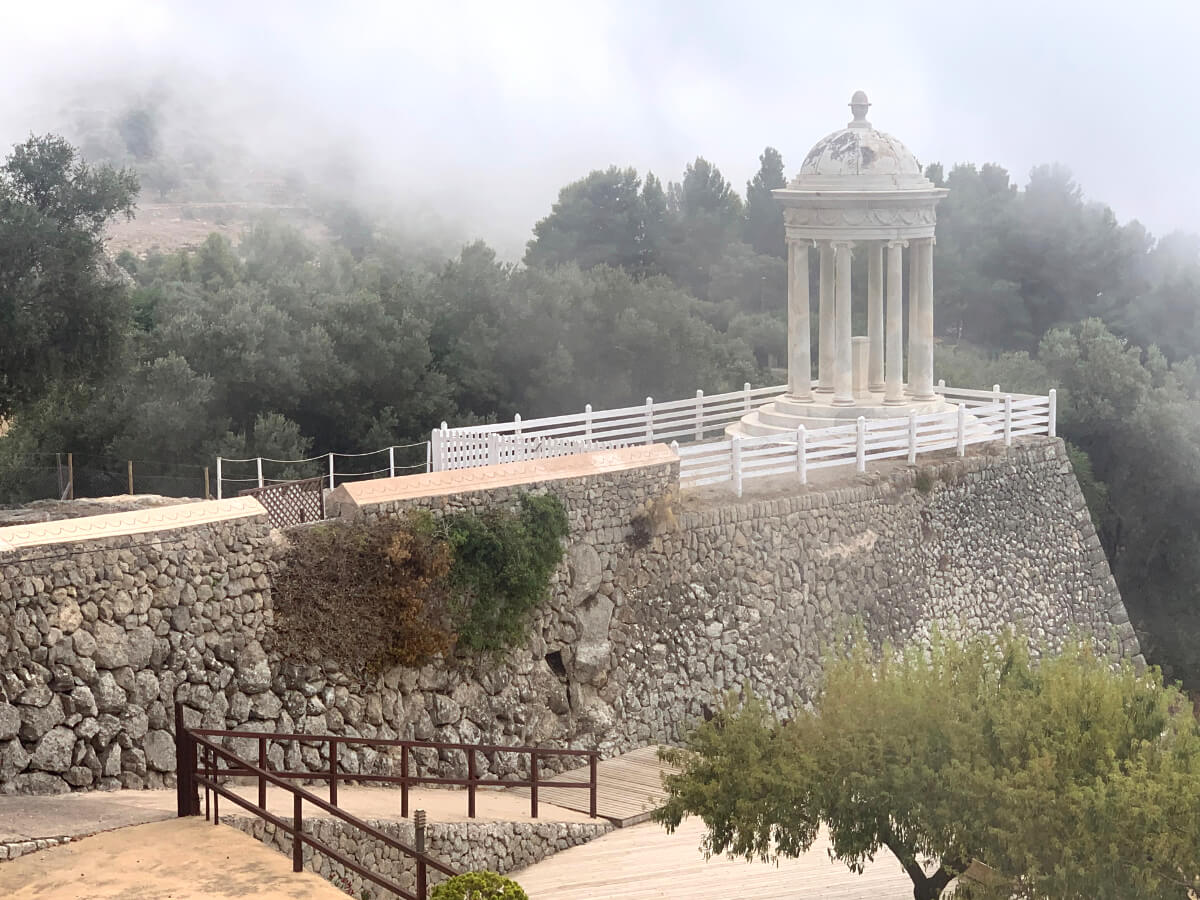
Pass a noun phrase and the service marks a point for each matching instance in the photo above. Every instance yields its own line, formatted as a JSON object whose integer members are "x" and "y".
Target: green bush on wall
{"x": 402, "y": 591}
{"x": 478, "y": 886}
{"x": 502, "y": 563}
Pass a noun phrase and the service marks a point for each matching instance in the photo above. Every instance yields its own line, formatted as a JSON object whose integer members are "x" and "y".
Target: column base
{"x": 896, "y": 401}
{"x": 842, "y": 401}
{"x": 876, "y": 386}
{"x": 921, "y": 398}
{"x": 795, "y": 398}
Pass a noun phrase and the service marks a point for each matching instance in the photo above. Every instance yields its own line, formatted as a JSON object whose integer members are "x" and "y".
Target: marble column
{"x": 894, "y": 359}
{"x": 875, "y": 316}
{"x": 920, "y": 338}
{"x": 825, "y": 335}
{"x": 843, "y": 374}
{"x": 799, "y": 341}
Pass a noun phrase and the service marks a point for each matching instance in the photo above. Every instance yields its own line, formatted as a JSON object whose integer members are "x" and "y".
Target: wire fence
{"x": 233, "y": 475}
{"x": 30, "y": 477}
{"x": 65, "y": 476}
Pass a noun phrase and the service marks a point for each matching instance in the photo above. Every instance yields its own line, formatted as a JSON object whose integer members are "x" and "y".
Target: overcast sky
{"x": 485, "y": 109}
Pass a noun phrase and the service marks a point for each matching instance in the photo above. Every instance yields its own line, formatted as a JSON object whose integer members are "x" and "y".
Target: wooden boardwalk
{"x": 629, "y": 787}
{"x": 646, "y": 863}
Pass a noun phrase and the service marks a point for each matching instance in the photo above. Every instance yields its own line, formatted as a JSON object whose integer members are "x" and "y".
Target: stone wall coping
{"x": 159, "y": 518}
{"x": 457, "y": 481}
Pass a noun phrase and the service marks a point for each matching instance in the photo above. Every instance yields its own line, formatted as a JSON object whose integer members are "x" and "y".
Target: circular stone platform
{"x": 784, "y": 415}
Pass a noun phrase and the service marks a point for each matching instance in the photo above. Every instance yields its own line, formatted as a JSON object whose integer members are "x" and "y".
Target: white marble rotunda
{"x": 858, "y": 191}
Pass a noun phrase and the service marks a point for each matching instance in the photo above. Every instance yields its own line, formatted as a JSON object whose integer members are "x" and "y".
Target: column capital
{"x": 842, "y": 244}
{"x": 897, "y": 243}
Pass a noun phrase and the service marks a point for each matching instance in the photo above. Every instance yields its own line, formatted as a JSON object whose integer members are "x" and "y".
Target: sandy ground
{"x": 175, "y": 860}
{"x": 643, "y": 862}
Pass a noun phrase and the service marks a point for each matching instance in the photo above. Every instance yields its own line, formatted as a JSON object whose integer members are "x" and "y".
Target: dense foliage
{"x": 630, "y": 287}
{"x": 478, "y": 886}
{"x": 401, "y": 591}
{"x": 1068, "y": 778}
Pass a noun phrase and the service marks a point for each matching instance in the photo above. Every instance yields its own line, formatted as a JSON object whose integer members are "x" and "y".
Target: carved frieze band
{"x": 856, "y": 217}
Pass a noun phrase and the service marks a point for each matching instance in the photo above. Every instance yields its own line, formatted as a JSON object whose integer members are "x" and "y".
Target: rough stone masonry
{"x": 106, "y": 621}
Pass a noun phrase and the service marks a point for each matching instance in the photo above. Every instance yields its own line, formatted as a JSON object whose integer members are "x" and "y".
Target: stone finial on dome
{"x": 858, "y": 106}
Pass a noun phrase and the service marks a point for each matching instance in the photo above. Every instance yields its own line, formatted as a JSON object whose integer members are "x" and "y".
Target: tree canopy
{"x": 1067, "y": 777}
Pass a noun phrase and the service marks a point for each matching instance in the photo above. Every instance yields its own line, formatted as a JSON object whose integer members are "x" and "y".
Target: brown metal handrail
{"x": 472, "y": 782}
{"x": 190, "y": 779}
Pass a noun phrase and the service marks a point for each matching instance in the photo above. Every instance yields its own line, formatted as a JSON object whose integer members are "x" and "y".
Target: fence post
{"x": 962, "y": 429}
{"x": 587, "y": 422}
{"x": 130, "y": 466}
{"x": 419, "y": 845}
{"x": 493, "y": 449}
{"x": 995, "y": 393}
{"x": 404, "y": 781}
{"x": 675, "y": 447}
{"x": 516, "y": 424}
{"x": 735, "y": 464}
{"x": 218, "y": 474}
{"x": 912, "y": 438}
{"x": 262, "y": 782}
{"x": 58, "y": 468}
{"x": 297, "y": 828}
{"x": 391, "y": 462}
{"x": 699, "y": 415}
{"x": 649, "y": 420}
{"x": 802, "y": 453}
{"x": 941, "y": 385}
{"x": 258, "y": 460}
{"x": 471, "y": 776}
{"x": 1008, "y": 420}
{"x": 746, "y": 397}
{"x": 593, "y": 782}
{"x": 207, "y": 487}
{"x": 533, "y": 784}
{"x": 333, "y": 761}
{"x": 331, "y": 470}
{"x": 860, "y": 445}
{"x": 1052, "y": 425}
{"x": 183, "y": 771}
{"x": 435, "y": 450}
{"x": 71, "y": 477}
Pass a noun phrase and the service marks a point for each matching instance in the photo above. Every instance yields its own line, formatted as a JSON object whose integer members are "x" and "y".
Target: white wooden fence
{"x": 980, "y": 416}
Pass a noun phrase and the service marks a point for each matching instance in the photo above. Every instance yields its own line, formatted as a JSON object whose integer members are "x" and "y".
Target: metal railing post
{"x": 735, "y": 464}
{"x": 419, "y": 845}
{"x": 962, "y": 429}
{"x": 470, "y": 783}
{"x": 404, "y": 781}
{"x": 699, "y": 415}
{"x": 258, "y": 460}
{"x": 533, "y": 784}
{"x": 1008, "y": 420}
{"x": 802, "y": 453}
{"x": 297, "y": 829}
{"x": 594, "y": 783}
{"x": 333, "y": 760}
{"x": 184, "y": 772}
{"x": 331, "y": 470}
{"x": 860, "y": 445}
{"x": 912, "y": 438}
{"x": 649, "y": 420}
{"x": 391, "y": 462}
{"x": 1052, "y": 424}
{"x": 218, "y": 478}
{"x": 262, "y": 782}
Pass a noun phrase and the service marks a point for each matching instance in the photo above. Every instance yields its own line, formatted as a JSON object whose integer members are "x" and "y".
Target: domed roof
{"x": 858, "y": 157}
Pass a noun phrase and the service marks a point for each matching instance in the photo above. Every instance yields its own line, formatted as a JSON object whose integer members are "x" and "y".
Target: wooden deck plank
{"x": 628, "y": 787}
{"x": 645, "y": 863}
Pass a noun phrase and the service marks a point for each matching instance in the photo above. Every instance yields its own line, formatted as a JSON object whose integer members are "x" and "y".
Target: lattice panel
{"x": 292, "y": 502}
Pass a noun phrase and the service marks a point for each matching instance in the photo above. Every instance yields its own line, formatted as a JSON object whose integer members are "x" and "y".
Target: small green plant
{"x": 478, "y": 886}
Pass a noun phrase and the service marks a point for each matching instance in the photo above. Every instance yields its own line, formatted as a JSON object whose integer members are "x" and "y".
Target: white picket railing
{"x": 693, "y": 419}
{"x": 980, "y": 416}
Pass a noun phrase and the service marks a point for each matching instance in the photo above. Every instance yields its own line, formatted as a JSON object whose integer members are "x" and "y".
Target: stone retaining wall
{"x": 504, "y": 847}
{"x": 103, "y": 625}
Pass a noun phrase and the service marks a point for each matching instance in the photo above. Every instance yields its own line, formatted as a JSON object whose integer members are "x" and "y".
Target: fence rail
{"x": 199, "y": 757}
{"x": 980, "y": 417}
{"x": 255, "y": 471}
{"x": 686, "y": 424}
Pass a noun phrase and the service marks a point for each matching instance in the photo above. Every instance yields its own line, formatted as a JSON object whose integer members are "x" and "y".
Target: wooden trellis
{"x": 291, "y": 502}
